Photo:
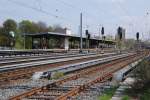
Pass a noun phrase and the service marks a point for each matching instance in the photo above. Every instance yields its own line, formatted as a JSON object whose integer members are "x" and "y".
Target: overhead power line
{"x": 132, "y": 21}
{"x": 65, "y": 3}
{"x": 37, "y": 9}
{"x": 88, "y": 17}
{"x": 77, "y": 9}
{"x": 39, "y": 3}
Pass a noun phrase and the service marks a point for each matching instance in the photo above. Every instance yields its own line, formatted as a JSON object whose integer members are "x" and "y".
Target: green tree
{"x": 1, "y": 30}
{"x": 19, "y": 40}
{"x": 9, "y": 25}
{"x": 3, "y": 37}
{"x": 4, "y": 41}
{"x": 6, "y": 38}
{"x": 27, "y": 26}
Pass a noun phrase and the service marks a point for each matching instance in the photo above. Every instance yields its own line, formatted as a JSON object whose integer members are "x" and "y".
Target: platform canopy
{"x": 55, "y": 34}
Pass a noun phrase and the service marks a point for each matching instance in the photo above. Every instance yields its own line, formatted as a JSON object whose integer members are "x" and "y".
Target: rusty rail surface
{"x": 78, "y": 89}
{"x": 27, "y": 72}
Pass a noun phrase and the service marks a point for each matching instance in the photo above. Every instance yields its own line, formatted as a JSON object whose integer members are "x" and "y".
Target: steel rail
{"x": 34, "y": 91}
{"x": 23, "y": 73}
{"x": 40, "y": 58}
{"x": 105, "y": 76}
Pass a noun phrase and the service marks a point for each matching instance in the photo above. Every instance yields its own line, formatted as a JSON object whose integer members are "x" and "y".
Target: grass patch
{"x": 108, "y": 94}
{"x": 57, "y": 75}
{"x": 125, "y": 98}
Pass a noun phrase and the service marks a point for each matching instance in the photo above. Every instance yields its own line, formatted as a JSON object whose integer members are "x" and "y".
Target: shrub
{"x": 105, "y": 97}
{"x": 142, "y": 75}
{"x": 108, "y": 94}
{"x": 125, "y": 98}
{"x": 141, "y": 88}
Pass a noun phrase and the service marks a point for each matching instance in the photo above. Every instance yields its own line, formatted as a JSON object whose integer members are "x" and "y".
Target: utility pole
{"x": 81, "y": 46}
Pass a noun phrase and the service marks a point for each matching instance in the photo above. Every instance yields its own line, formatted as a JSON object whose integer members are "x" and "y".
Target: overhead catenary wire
{"x": 66, "y": 20}
{"x": 77, "y": 9}
{"x": 132, "y": 20}
{"x": 38, "y": 10}
{"x": 39, "y": 3}
{"x": 87, "y": 17}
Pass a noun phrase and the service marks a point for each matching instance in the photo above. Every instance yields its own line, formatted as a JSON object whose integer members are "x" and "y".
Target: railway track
{"x": 27, "y": 72}
{"x": 76, "y": 82}
{"x": 20, "y": 60}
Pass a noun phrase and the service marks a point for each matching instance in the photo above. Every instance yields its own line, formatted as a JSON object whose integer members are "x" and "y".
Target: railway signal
{"x": 87, "y": 34}
{"x": 102, "y": 31}
{"x": 137, "y": 36}
{"x": 87, "y": 39}
{"x": 120, "y": 33}
{"x": 138, "y": 42}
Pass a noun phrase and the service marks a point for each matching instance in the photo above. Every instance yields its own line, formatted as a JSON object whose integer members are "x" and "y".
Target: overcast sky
{"x": 130, "y": 14}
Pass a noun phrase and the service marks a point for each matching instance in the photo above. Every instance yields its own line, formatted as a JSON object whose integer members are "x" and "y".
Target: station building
{"x": 66, "y": 40}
